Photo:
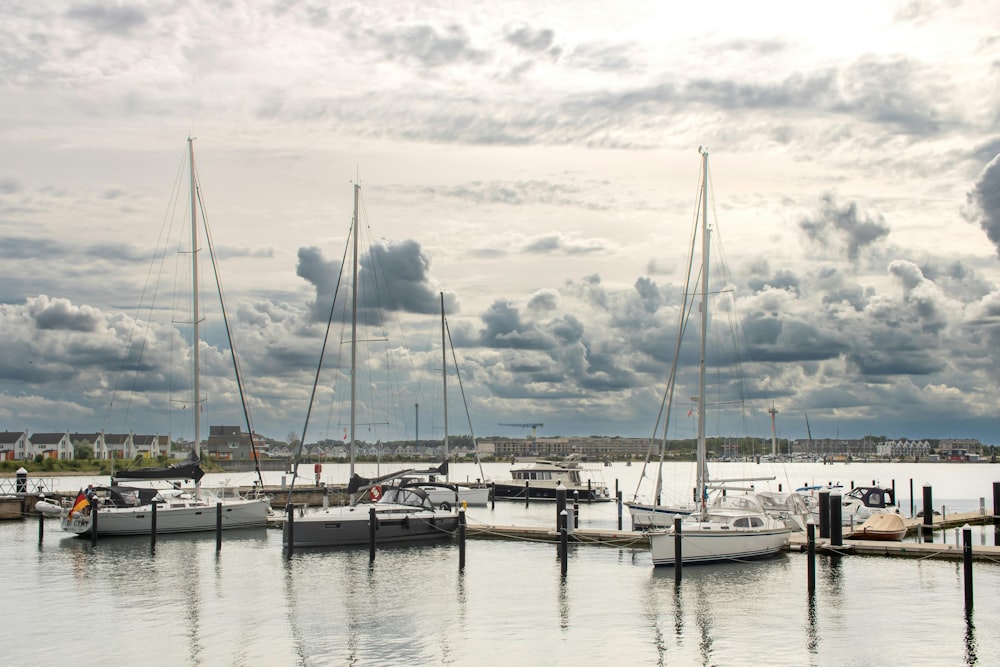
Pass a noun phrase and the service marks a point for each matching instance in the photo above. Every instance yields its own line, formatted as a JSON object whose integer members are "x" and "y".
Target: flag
{"x": 80, "y": 503}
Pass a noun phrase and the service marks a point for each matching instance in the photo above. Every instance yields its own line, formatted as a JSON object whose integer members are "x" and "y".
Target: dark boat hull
{"x": 512, "y": 491}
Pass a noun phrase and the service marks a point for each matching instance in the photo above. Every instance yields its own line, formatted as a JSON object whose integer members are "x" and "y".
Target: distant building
{"x": 15, "y": 446}
{"x": 52, "y": 445}
{"x": 904, "y": 449}
{"x": 230, "y": 443}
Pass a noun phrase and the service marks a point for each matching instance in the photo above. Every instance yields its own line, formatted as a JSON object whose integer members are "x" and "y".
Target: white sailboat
{"x": 128, "y": 510}
{"x": 478, "y": 494}
{"x": 403, "y": 510}
{"x": 734, "y": 527}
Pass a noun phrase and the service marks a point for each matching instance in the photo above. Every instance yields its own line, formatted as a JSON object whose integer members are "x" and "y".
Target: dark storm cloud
{"x": 391, "y": 277}
{"x": 881, "y": 361}
{"x": 544, "y": 301}
{"x": 787, "y": 340}
{"x": 649, "y": 294}
{"x": 108, "y": 18}
{"x": 504, "y": 329}
{"x": 984, "y": 201}
{"x": 405, "y": 267}
{"x": 60, "y": 314}
{"x": 835, "y": 226}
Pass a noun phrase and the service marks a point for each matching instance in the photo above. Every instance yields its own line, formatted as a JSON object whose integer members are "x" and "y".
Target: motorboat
{"x": 542, "y": 479}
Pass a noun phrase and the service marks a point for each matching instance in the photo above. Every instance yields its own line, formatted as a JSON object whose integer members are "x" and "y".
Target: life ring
{"x": 446, "y": 506}
{"x": 375, "y": 492}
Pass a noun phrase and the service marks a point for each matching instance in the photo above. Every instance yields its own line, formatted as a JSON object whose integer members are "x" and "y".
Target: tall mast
{"x": 354, "y": 324}
{"x": 195, "y": 314}
{"x": 444, "y": 382}
{"x": 702, "y": 472}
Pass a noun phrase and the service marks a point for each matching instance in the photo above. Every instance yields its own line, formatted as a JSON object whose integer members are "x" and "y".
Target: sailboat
{"x": 127, "y": 510}
{"x": 403, "y": 512}
{"x": 735, "y": 526}
{"x": 468, "y": 494}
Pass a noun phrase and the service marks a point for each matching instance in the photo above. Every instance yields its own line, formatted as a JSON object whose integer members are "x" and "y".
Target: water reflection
{"x": 970, "y": 639}
{"x": 812, "y": 637}
{"x": 562, "y": 602}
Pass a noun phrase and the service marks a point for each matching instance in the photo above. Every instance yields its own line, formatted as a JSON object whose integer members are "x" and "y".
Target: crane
{"x": 531, "y": 426}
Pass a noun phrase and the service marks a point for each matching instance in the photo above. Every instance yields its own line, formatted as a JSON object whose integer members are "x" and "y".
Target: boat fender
{"x": 375, "y": 492}
{"x": 406, "y": 523}
{"x": 445, "y": 506}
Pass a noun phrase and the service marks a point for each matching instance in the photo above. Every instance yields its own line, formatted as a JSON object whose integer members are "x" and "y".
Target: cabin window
{"x": 875, "y": 499}
{"x": 756, "y": 522}
{"x": 741, "y": 523}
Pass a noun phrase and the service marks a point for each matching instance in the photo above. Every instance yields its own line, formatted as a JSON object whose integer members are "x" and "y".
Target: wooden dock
{"x": 635, "y": 539}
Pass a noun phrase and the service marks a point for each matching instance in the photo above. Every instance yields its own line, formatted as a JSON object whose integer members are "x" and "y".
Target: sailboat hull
{"x": 181, "y": 517}
{"x": 708, "y": 542}
{"x": 350, "y": 526}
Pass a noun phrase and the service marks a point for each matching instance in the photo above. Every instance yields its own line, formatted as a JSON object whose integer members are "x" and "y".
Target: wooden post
{"x": 824, "y": 514}
{"x": 561, "y": 493}
{"x": 576, "y": 509}
{"x": 527, "y": 492}
{"x": 563, "y": 542}
{"x": 371, "y": 534}
{"x": 911, "y": 498}
{"x": 461, "y": 539}
{"x": 967, "y": 561}
{"x": 811, "y": 558}
{"x": 618, "y": 495}
{"x": 590, "y": 493}
{"x": 996, "y": 514}
{"x": 152, "y": 526}
{"x": 493, "y": 495}
{"x": 836, "y": 520}
{"x": 93, "y": 525}
{"x": 41, "y": 526}
{"x": 928, "y": 527}
{"x": 678, "y": 550}
{"x": 218, "y": 527}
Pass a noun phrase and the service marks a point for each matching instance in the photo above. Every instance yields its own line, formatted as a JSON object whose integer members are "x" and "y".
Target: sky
{"x": 537, "y": 163}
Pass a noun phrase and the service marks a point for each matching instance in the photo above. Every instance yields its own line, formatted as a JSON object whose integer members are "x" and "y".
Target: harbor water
{"x": 248, "y": 604}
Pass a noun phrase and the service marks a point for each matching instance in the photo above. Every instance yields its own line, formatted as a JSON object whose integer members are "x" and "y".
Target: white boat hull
{"x": 709, "y": 542}
{"x": 181, "y": 517}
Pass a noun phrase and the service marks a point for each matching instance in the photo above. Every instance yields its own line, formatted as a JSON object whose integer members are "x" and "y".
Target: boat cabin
{"x": 875, "y": 497}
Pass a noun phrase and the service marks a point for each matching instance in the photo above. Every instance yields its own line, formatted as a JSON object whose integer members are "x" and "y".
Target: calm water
{"x": 248, "y": 604}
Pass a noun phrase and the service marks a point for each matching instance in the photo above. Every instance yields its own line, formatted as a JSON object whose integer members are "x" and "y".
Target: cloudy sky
{"x": 538, "y": 164}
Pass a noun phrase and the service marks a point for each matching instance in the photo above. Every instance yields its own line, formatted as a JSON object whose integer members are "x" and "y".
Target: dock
{"x": 797, "y": 542}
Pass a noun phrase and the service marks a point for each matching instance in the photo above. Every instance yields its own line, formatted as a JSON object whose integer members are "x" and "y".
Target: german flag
{"x": 80, "y": 503}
